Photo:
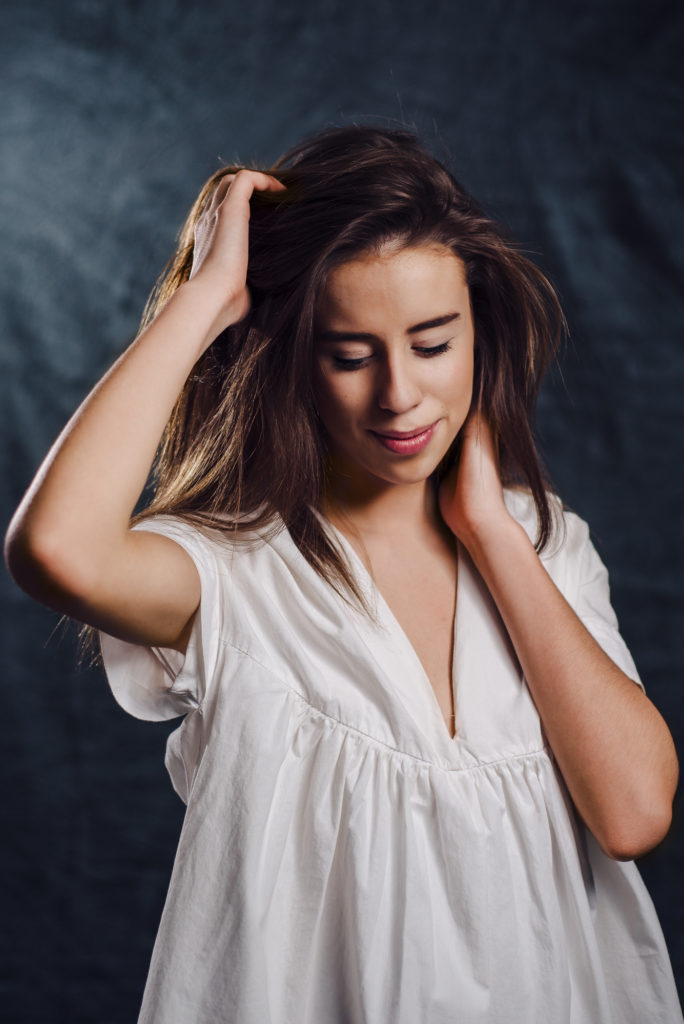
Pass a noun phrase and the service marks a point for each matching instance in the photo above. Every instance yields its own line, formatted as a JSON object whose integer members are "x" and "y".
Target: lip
{"x": 408, "y": 443}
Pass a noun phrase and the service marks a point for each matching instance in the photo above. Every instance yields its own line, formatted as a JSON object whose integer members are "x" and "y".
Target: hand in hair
{"x": 69, "y": 543}
{"x": 220, "y": 250}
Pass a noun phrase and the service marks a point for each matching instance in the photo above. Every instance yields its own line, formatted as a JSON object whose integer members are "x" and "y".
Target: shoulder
{"x": 247, "y": 561}
{"x": 576, "y": 568}
{"x": 567, "y": 526}
{"x": 569, "y": 533}
{"x": 221, "y": 540}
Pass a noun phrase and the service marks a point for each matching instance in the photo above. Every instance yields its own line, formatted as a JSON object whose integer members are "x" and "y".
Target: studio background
{"x": 565, "y": 120}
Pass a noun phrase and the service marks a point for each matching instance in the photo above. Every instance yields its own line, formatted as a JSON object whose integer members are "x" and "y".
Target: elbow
{"x": 24, "y": 558}
{"x": 636, "y": 835}
{"x": 637, "y": 815}
{"x": 36, "y": 563}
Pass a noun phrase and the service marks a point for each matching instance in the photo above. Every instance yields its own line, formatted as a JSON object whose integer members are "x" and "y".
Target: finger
{"x": 480, "y": 437}
{"x": 472, "y": 428}
{"x": 246, "y": 182}
{"x": 480, "y": 424}
{"x": 215, "y": 197}
{"x": 223, "y": 186}
{"x": 268, "y": 183}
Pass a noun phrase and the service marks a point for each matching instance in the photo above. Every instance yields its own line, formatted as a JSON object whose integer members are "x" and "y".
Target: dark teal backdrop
{"x": 565, "y": 119}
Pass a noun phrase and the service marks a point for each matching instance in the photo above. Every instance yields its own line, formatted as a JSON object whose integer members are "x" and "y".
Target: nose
{"x": 398, "y": 388}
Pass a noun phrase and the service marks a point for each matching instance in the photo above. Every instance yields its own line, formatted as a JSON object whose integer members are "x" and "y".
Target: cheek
{"x": 458, "y": 376}
{"x": 337, "y": 397}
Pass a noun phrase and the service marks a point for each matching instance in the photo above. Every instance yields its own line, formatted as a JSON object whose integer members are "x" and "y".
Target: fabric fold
{"x": 343, "y": 859}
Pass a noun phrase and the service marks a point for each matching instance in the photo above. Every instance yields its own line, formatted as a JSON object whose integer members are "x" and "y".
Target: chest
{"x": 420, "y": 590}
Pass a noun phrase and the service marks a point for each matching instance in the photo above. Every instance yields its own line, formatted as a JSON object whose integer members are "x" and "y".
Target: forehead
{"x": 413, "y": 284}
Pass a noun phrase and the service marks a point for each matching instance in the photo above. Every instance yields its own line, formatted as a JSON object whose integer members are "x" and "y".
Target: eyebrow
{"x": 426, "y": 325}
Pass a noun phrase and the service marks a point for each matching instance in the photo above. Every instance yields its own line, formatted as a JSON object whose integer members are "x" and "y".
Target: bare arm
{"x": 612, "y": 746}
{"x": 69, "y": 543}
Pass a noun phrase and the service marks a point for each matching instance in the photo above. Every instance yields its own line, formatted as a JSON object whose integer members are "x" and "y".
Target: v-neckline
{"x": 395, "y": 627}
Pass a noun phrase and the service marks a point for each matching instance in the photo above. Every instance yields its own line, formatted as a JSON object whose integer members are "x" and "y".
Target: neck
{"x": 373, "y": 506}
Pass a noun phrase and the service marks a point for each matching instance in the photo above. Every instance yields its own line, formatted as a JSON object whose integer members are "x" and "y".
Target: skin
{"x": 611, "y": 744}
{"x": 398, "y": 379}
{"x": 69, "y": 544}
{"x": 412, "y": 367}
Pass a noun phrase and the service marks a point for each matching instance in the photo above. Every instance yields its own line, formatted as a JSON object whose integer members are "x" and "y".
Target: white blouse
{"x": 343, "y": 860}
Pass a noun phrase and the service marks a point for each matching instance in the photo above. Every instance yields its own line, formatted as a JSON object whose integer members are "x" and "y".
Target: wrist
{"x": 490, "y": 538}
{"x": 212, "y": 313}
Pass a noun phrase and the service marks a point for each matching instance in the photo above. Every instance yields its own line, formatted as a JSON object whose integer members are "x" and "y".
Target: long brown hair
{"x": 243, "y": 442}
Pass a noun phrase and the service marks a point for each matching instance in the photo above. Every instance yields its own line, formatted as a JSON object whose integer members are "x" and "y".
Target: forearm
{"x": 84, "y": 493}
{"x": 611, "y": 744}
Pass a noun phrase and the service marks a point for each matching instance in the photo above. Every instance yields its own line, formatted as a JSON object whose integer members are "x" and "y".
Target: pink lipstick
{"x": 409, "y": 443}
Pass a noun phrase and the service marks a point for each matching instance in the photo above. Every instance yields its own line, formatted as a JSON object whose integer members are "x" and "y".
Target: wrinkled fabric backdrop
{"x": 563, "y": 119}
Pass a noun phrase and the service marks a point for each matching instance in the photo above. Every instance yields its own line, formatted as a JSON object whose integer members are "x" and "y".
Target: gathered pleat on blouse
{"x": 343, "y": 859}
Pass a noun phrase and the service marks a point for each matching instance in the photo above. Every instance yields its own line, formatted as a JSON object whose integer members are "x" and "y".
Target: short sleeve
{"x": 593, "y": 603}
{"x": 157, "y": 683}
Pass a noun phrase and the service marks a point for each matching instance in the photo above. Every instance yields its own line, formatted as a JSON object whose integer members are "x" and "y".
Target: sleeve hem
{"x": 157, "y": 683}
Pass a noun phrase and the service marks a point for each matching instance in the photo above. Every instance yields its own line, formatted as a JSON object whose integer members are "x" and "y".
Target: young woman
{"x": 416, "y": 754}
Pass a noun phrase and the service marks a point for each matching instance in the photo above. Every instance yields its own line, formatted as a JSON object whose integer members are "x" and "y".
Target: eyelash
{"x": 356, "y": 364}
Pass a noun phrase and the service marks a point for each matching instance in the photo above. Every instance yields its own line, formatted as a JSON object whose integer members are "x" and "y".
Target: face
{"x": 394, "y": 363}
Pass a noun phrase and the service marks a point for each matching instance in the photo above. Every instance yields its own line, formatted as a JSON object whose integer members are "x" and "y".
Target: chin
{"x": 388, "y": 469}
{"x": 406, "y": 474}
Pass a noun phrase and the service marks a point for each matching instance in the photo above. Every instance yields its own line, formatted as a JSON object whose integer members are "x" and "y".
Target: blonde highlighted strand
{"x": 243, "y": 449}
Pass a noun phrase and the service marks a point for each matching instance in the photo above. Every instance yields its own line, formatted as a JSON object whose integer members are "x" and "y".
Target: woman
{"x": 417, "y": 756}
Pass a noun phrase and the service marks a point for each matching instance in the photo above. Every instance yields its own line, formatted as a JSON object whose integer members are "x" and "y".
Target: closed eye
{"x": 435, "y": 350}
{"x": 349, "y": 364}
{"x": 425, "y": 353}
